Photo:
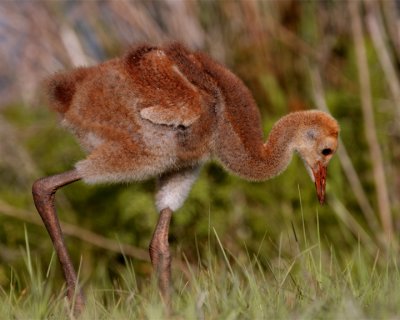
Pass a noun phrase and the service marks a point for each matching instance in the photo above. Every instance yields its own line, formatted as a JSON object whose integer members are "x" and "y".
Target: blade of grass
{"x": 293, "y": 263}
{"x": 223, "y": 253}
{"x": 28, "y": 254}
{"x": 302, "y": 217}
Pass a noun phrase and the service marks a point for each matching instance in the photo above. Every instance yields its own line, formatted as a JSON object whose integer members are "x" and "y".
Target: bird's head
{"x": 317, "y": 141}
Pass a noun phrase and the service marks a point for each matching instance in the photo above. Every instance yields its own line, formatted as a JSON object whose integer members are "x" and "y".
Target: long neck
{"x": 238, "y": 140}
{"x": 253, "y": 159}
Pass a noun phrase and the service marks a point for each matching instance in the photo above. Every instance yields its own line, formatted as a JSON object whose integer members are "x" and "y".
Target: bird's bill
{"x": 320, "y": 181}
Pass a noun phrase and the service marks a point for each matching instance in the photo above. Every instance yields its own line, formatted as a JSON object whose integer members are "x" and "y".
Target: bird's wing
{"x": 177, "y": 115}
{"x": 171, "y": 97}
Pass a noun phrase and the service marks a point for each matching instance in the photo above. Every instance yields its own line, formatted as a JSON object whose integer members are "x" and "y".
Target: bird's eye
{"x": 326, "y": 151}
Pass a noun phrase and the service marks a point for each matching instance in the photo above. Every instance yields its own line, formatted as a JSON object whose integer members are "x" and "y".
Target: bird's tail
{"x": 61, "y": 88}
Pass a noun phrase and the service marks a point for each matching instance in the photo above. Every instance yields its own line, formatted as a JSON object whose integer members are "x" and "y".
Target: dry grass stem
{"x": 352, "y": 224}
{"x": 345, "y": 161}
{"x": 375, "y": 28}
{"x": 77, "y": 232}
{"x": 369, "y": 122}
{"x": 392, "y": 22}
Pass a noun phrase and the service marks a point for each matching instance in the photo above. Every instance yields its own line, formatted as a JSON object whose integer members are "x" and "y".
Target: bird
{"x": 163, "y": 112}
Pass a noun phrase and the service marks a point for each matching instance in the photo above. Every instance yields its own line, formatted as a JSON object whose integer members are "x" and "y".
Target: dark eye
{"x": 326, "y": 152}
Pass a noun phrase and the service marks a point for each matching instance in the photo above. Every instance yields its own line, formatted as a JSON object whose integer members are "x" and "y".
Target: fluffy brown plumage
{"x": 162, "y": 112}
{"x": 161, "y": 109}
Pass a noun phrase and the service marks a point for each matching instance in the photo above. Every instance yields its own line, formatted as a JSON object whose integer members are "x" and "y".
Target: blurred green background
{"x": 293, "y": 55}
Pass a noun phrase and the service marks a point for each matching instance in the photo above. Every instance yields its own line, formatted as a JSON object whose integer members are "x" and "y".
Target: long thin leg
{"x": 43, "y": 191}
{"x": 160, "y": 255}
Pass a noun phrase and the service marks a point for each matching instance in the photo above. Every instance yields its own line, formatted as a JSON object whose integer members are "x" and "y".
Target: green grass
{"x": 256, "y": 251}
{"x": 316, "y": 282}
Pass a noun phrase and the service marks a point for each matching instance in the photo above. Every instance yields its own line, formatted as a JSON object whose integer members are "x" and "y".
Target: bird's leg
{"x": 160, "y": 255}
{"x": 43, "y": 191}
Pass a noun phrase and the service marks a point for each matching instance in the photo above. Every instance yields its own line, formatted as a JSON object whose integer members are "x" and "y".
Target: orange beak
{"x": 320, "y": 181}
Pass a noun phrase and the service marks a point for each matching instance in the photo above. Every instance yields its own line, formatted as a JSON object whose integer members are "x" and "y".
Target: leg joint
{"x": 47, "y": 186}
{"x": 40, "y": 188}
